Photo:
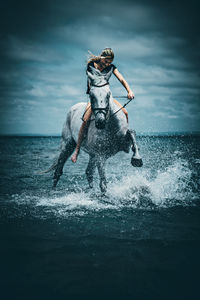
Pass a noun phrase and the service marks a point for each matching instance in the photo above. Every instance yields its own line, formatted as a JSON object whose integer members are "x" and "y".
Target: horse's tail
{"x": 53, "y": 167}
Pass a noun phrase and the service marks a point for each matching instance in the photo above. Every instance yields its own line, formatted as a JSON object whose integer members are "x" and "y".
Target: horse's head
{"x": 99, "y": 96}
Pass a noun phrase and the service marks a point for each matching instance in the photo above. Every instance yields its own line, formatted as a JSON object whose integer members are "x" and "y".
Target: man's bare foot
{"x": 74, "y": 157}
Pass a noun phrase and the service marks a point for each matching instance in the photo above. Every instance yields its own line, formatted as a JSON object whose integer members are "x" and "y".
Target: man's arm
{"x": 124, "y": 83}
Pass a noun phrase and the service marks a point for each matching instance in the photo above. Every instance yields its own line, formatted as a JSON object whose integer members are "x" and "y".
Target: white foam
{"x": 160, "y": 187}
{"x": 171, "y": 183}
{"x": 73, "y": 201}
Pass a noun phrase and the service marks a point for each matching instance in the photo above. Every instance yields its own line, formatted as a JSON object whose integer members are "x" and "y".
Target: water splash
{"x": 171, "y": 184}
{"x": 141, "y": 189}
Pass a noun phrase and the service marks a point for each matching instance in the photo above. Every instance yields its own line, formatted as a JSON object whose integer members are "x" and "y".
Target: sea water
{"x": 139, "y": 241}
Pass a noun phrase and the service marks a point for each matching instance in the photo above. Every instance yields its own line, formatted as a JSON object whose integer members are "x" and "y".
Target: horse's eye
{"x": 91, "y": 96}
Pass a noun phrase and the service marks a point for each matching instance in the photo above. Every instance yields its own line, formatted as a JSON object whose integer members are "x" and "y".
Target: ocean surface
{"x": 139, "y": 241}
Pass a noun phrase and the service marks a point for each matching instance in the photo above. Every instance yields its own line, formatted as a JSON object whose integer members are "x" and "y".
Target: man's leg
{"x": 84, "y": 125}
{"x": 123, "y": 109}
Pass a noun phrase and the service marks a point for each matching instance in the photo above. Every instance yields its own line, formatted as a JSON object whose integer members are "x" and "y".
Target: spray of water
{"x": 165, "y": 186}
{"x": 141, "y": 189}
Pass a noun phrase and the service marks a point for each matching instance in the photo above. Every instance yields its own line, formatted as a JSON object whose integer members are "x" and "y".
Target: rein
{"x": 122, "y": 106}
{"x": 114, "y": 112}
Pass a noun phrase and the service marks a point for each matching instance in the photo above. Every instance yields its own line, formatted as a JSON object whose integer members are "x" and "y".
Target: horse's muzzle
{"x": 100, "y": 121}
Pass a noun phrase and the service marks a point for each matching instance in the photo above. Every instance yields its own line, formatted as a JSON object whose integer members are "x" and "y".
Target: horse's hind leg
{"x": 90, "y": 170}
{"x": 67, "y": 149}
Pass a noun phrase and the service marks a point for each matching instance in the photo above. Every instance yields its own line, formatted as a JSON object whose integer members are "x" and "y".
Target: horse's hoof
{"x": 103, "y": 190}
{"x": 136, "y": 162}
{"x": 91, "y": 185}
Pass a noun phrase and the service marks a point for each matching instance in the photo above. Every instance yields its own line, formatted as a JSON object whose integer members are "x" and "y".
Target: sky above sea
{"x": 44, "y": 50}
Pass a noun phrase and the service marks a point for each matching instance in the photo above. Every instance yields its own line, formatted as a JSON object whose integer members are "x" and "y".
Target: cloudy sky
{"x": 43, "y": 53}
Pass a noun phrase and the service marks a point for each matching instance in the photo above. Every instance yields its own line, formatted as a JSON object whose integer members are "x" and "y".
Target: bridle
{"x": 103, "y": 110}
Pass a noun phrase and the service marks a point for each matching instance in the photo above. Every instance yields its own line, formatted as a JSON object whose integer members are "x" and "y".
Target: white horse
{"x": 107, "y": 133}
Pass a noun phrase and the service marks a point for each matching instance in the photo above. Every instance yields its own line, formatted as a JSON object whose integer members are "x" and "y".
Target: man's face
{"x": 105, "y": 62}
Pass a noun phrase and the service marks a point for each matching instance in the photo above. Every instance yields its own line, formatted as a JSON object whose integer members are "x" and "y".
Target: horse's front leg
{"x": 90, "y": 170}
{"x": 136, "y": 159}
{"x": 101, "y": 169}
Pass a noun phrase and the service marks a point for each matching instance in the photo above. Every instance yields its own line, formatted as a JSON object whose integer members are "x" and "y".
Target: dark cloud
{"x": 43, "y": 47}
{"x": 29, "y": 18}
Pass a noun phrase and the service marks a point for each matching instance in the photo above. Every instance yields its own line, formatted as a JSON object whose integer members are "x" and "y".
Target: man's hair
{"x": 107, "y": 52}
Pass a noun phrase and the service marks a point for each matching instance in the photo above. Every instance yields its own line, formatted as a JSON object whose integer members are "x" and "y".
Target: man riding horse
{"x": 107, "y": 129}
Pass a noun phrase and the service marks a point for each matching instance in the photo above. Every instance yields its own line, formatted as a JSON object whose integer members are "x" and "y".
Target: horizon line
{"x": 142, "y": 133}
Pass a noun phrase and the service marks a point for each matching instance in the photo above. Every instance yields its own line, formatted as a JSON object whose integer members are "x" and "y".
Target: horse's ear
{"x": 95, "y": 72}
{"x": 90, "y": 76}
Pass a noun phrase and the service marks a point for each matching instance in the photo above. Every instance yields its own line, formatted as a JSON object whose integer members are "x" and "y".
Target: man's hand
{"x": 130, "y": 95}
